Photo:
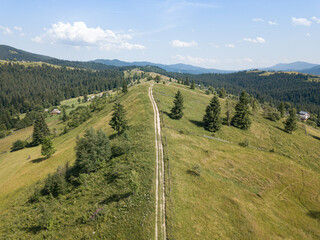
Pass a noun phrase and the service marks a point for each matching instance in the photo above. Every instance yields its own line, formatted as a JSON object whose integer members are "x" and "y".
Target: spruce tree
{"x": 228, "y": 111}
{"x": 193, "y": 85}
{"x": 118, "y": 121}
{"x": 64, "y": 115}
{"x": 47, "y": 148}
{"x": 291, "y": 122}
{"x": 124, "y": 87}
{"x": 211, "y": 118}
{"x": 40, "y": 130}
{"x": 241, "y": 118}
{"x": 222, "y": 93}
{"x": 281, "y": 109}
{"x": 177, "y": 109}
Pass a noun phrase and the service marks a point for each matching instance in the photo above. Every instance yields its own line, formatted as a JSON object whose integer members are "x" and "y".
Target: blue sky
{"x": 220, "y": 34}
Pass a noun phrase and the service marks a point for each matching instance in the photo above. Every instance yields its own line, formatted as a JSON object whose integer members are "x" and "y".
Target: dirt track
{"x": 160, "y": 221}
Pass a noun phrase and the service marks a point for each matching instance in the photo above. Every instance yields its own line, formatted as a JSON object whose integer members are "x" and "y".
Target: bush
{"x": 93, "y": 151}
{"x": 271, "y": 113}
{"x": 245, "y": 143}
{"x": 56, "y": 184}
{"x": 17, "y": 145}
{"x": 195, "y": 170}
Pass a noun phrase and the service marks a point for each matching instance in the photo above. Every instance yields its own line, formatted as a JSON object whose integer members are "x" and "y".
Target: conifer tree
{"x": 47, "y": 148}
{"x": 291, "y": 122}
{"x": 85, "y": 98}
{"x": 318, "y": 120}
{"x": 187, "y": 81}
{"x": 228, "y": 111}
{"x": 157, "y": 79}
{"x": 281, "y": 109}
{"x": 241, "y": 118}
{"x": 124, "y": 87}
{"x": 222, "y": 93}
{"x": 118, "y": 121}
{"x": 40, "y": 130}
{"x": 64, "y": 115}
{"x": 193, "y": 85}
{"x": 211, "y": 118}
{"x": 79, "y": 100}
{"x": 177, "y": 109}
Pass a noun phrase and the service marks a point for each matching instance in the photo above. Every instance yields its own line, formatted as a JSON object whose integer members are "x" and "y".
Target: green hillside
{"x": 215, "y": 188}
{"x": 120, "y": 213}
{"x": 242, "y": 192}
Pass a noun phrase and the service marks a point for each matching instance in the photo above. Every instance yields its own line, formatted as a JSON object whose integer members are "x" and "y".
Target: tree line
{"x": 274, "y": 87}
{"x": 25, "y": 89}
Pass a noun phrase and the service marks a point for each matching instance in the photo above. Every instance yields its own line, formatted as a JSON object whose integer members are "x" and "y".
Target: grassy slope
{"x": 130, "y": 217}
{"x": 242, "y": 193}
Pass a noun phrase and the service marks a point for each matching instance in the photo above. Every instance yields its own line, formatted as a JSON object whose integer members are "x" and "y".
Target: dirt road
{"x": 160, "y": 216}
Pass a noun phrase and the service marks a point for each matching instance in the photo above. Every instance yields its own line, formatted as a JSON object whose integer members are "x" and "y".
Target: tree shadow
{"x": 116, "y": 198}
{"x": 314, "y": 214}
{"x": 281, "y": 129}
{"x": 38, "y": 160}
{"x": 167, "y": 113}
{"x": 197, "y": 123}
{"x": 33, "y": 229}
{"x": 315, "y": 137}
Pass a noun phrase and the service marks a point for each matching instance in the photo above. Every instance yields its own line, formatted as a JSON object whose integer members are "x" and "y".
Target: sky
{"x": 221, "y": 34}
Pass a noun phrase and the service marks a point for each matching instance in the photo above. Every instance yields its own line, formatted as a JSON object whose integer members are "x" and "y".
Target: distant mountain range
{"x": 179, "y": 67}
{"x": 13, "y": 54}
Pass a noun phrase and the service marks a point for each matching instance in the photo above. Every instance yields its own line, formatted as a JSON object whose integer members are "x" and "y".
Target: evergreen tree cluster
{"x": 272, "y": 88}
{"x": 23, "y": 89}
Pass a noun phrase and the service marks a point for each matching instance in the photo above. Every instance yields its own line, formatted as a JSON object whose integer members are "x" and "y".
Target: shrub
{"x": 93, "y": 151}
{"x": 195, "y": 170}
{"x": 56, "y": 184}
{"x": 245, "y": 143}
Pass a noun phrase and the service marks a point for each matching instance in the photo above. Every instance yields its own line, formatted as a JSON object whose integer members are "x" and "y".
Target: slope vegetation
{"x": 103, "y": 206}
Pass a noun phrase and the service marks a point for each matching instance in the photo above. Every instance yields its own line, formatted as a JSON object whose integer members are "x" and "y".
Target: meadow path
{"x": 160, "y": 221}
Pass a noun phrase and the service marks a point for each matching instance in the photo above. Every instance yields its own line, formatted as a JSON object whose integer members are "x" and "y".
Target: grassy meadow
{"x": 242, "y": 192}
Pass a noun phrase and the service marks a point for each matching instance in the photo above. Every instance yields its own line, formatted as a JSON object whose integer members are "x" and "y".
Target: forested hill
{"x": 14, "y": 54}
{"x": 302, "y": 90}
{"x": 23, "y": 88}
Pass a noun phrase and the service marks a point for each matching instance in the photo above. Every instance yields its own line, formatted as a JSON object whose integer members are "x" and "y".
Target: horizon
{"x": 207, "y": 34}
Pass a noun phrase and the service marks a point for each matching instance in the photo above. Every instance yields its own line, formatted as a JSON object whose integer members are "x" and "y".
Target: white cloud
{"x": 212, "y": 44}
{"x": 272, "y": 23}
{"x": 300, "y": 22}
{"x": 78, "y": 34}
{"x": 317, "y": 20}
{"x": 178, "y": 43}
{"x": 19, "y": 29}
{"x": 257, "y": 19}
{"x": 248, "y": 60}
{"x": 230, "y": 45}
{"x": 194, "y": 60}
{"x": 5, "y": 30}
{"x": 255, "y": 40}
{"x": 308, "y": 35}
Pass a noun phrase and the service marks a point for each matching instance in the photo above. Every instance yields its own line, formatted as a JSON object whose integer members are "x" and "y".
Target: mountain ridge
{"x": 14, "y": 54}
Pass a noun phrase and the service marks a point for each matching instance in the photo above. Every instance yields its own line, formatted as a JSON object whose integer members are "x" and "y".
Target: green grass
{"x": 242, "y": 193}
{"x": 126, "y": 218}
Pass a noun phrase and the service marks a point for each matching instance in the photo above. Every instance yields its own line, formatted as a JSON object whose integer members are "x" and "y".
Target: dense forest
{"x": 272, "y": 87}
{"x": 23, "y": 89}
